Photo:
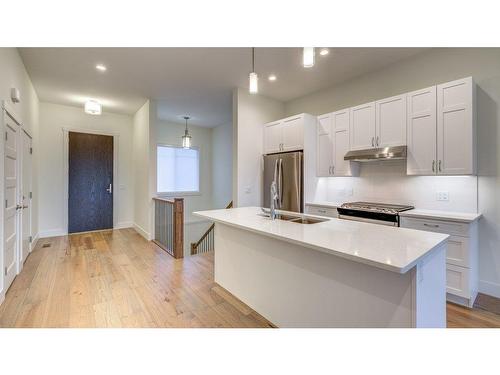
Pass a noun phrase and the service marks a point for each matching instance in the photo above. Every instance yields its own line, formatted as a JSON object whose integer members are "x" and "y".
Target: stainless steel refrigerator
{"x": 287, "y": 170}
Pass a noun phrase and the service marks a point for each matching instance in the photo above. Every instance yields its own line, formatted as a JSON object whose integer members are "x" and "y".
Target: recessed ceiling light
{"x": 272, "y": 77}
{"x": 101, "y": 67}
{"x": 93, "y": 107}
{"x": 324, "y": 51}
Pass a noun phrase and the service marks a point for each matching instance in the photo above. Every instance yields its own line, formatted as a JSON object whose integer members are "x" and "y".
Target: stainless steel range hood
{"x": 371, "y": 154}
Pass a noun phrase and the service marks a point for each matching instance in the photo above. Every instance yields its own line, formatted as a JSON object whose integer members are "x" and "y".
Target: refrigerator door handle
{"x": 280, "y": 182}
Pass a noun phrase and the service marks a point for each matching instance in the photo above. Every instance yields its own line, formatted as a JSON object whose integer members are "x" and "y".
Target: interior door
{"x": 90, "y": 187}
{"x": 421, "y": 134}
{"x": 26, "y": 198}
{"x": 11, "y": 224}
{"x": 362, "y": 127}
{"x": 325, "y": 146}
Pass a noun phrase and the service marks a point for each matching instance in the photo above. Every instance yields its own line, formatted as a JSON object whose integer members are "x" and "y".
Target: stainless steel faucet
{"x": 274, "y": 200}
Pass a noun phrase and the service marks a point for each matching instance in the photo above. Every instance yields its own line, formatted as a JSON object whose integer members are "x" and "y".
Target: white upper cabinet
{"x": 285, "y": 135}
{"x": 324, "y": 146}
{"x": 422, "y": 153}
{"x": 293, "y": 133}
{"x": 333, "y": 144}
{"x": 441, "y": 129}
{"x": 390, "y": 121}
{"x": 456, "y": 127}
{"x": 273, "y": 137}
{"x": 362, "y": 127}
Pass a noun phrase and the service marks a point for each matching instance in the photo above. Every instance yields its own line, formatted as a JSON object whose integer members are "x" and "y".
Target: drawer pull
{"x": 431, "y": 225}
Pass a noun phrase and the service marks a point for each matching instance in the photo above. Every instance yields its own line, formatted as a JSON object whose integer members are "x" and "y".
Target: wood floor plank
{"x": 118, "y": 279}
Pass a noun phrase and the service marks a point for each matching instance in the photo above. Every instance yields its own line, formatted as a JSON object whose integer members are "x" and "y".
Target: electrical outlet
{"x": 443, "y": 196}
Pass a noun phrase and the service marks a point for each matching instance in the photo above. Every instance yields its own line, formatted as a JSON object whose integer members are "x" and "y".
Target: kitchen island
{"x": 334, "y": 273}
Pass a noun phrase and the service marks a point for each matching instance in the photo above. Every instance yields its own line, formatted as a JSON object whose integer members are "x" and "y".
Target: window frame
{"x": 177, "y": 193}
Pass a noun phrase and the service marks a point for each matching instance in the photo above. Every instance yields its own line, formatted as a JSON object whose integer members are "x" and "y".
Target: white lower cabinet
{"x": 461, "y": 256}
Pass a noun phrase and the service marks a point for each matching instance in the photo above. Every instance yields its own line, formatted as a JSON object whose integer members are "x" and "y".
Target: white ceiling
{"x": 193, "y": 81}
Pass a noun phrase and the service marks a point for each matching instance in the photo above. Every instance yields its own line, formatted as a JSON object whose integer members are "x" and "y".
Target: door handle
{"x": 439, "y": 166}
{"x": 378, "y": 141}
{"x": 25, "y": 206}
{"x": 373, "y": 141}
{"x": 433, "y": 166}
{"x": 18, "y": 207}
{"x": 110, "y": 188}
{"x": 333, "y": 169}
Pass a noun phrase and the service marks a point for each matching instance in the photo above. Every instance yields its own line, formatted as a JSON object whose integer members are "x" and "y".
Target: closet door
{"x": 455, "y": 128}
{"x": 362, "y": 127}
{"x": 421, "y": 132}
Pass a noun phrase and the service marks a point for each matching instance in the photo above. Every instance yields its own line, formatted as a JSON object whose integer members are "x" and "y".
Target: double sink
{"x": 294, "y": 218}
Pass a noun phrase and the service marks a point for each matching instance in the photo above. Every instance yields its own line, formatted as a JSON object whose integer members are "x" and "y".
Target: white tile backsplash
{"x": 386, "y": 181}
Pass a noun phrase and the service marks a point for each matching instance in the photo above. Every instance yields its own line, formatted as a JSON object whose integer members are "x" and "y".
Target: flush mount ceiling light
{"x": 101, "y": 67}
{"x": 186, "y": 138}
{"x": 253, "y": 79}
{"x": 93, "y": 107}
{"x": 272, "y": 77}
{"x": 308, "y": 57}
{"x": 324, "y": 51}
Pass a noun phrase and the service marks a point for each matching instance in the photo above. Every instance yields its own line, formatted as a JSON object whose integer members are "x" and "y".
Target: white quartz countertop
{"x": 390, "y": 248}
{"x": 463, "y": 217}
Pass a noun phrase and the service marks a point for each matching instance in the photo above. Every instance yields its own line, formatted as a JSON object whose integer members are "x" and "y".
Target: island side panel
{"x": 293, "y": 286}
{"x": 430, "y": 280}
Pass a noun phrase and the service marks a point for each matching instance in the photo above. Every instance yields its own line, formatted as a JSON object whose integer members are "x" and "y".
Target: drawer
{"x": 457, "y": 281}
{"x": 457, "y": 252}
{"x": 439, "y": 226}
{"x": 322, "y": 211}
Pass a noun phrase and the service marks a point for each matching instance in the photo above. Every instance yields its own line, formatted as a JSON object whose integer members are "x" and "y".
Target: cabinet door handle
{"x": 439, "y": 166}
{"x": 373, "y": 140}
{"x": 431, "y": 225}
{"x": 377, "y": 141}
{"x": 433, "y": 166}
{"x": 333, "y": 169}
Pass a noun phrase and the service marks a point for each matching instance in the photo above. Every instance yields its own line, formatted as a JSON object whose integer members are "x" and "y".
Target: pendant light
{"x": 253, "y": 78}
{"x": 186, "y": 138}
{"x": 308, "y": 57}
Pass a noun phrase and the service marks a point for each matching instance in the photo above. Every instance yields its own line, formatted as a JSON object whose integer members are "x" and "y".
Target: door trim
{"x": 65, "y": 196}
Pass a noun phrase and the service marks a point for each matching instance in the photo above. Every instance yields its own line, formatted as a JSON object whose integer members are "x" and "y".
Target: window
{"x": 178, "y": 169}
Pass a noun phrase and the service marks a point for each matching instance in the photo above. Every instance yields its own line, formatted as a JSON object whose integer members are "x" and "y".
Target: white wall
{"x": 55, "y": 117}
{"x": 423, "y": 70}
{"x": 222, "y": 165}
{"x": 13, "y": 74}
{"x": 250, "y": 112}
{"x": 141, "y": 171}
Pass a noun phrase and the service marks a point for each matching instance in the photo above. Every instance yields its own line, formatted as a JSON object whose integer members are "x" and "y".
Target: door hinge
{"x": 31, "y": 194}
{"x": 31, "y": 239}
{"x": 31, "y": 150}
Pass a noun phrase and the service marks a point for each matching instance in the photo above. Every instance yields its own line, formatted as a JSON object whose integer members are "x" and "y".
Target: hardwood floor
{"x": 118, "y": 279}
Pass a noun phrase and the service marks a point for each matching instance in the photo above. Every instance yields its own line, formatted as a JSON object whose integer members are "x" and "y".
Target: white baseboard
{"x": 124, "y": 224}
{"x": 2, "y": 297}
{"x": 34, "y": 241}
{"x": 487, "y": 287}
{"x": 142, "y": 232}
{"x": 52, "y": 233}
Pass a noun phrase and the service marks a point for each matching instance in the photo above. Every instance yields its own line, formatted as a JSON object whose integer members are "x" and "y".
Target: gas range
{"x": 378, "y": 213}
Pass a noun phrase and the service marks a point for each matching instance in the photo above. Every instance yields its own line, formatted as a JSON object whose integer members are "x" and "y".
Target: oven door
{"x": 368, "y": 216}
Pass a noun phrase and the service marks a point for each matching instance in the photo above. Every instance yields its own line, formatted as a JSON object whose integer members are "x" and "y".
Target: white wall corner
{"x": 142, "y": 232}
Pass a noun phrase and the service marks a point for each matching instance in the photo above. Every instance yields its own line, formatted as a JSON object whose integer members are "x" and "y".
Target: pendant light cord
{"x": 253, "y": 59}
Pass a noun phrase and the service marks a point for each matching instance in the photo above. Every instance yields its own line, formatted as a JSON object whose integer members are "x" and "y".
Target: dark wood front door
{"x": 90, "y": 187}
